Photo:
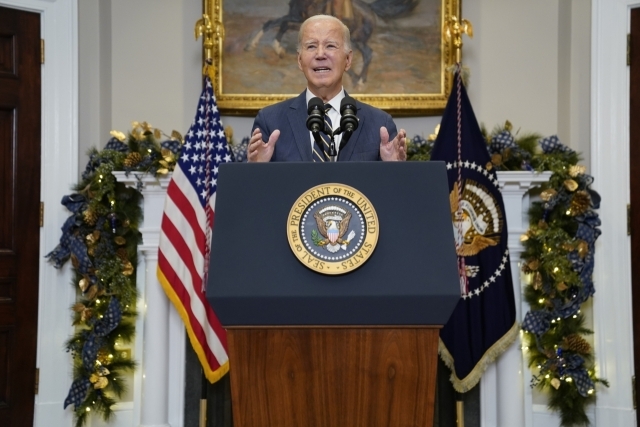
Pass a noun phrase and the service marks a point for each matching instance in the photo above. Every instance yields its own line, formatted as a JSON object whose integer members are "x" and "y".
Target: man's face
{"x": 323, "y": 59}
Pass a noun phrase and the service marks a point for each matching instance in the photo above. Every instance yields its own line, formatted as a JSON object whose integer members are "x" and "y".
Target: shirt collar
{"x": 335, "y": 101}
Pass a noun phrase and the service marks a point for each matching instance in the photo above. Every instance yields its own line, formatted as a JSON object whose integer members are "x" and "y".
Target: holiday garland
{"x": 558, "y": 259}
{"x": 101, "y": 239}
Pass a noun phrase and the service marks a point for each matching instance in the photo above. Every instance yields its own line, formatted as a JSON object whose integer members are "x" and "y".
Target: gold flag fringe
{"x": 470, "y": 381}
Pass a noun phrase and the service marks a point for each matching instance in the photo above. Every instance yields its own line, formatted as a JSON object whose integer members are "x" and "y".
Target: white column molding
{"x": 160, "y": 333}
{"x": 505, "y": 396}
{"x": 612, "y": 310}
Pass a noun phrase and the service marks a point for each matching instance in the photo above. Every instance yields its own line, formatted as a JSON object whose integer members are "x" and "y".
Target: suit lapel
{"x": 297, "y": 115}
{"x": 347, "y": 150}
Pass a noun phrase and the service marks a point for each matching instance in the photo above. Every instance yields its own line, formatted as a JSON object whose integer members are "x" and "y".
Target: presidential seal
{"x": 478, "y": 223}
{"x": 477, "y": 218}
{"x": 332, "y": 229}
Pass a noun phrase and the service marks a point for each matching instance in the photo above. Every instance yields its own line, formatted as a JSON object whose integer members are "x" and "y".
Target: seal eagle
{"x": 332, "y": 228}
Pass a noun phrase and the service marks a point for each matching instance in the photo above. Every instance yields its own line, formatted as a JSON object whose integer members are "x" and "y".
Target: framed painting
{"x": 400, "y": 56}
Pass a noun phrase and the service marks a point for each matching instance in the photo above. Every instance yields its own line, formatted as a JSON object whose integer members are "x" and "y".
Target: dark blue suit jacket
{"x": 294, "y": 143}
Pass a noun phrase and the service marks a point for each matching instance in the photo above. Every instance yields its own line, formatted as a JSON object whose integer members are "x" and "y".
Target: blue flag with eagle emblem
{"x": 483, "y": 323}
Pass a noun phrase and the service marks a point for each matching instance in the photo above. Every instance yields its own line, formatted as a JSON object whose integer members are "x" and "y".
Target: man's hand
{"x": 258, "y": 150}
{"x": 394, "y": 150}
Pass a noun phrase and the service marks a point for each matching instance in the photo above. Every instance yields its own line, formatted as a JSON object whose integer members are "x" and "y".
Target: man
{"x": 324, "y": 54}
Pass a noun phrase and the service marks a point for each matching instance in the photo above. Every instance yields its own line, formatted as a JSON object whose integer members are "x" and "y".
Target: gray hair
{"x": 345, "y": 30}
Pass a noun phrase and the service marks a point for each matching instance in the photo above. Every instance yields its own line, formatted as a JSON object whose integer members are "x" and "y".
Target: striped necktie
{"x": 328, "y": 130}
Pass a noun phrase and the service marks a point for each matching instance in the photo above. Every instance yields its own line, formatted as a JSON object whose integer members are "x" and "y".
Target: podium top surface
{"x": 410, "y": 278}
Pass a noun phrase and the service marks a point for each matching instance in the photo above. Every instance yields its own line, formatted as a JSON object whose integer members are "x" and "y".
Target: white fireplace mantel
{"x": 506, "y": 398}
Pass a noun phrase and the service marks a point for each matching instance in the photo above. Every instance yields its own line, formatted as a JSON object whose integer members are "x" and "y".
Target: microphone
{"x": 348, "y": 111}
{"x": 315, "y": 110}
{"x": 348, "y": 119}
{"x": 315, "y": 121}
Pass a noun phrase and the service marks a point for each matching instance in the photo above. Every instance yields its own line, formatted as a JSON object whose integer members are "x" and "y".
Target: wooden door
{"x": 19, "y": 212}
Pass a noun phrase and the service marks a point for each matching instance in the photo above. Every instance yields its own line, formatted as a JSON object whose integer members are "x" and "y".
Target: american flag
{"x": 183, "y": 255}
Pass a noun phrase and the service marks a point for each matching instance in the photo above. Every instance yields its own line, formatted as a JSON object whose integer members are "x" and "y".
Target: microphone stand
{"x": 333, "y": 154}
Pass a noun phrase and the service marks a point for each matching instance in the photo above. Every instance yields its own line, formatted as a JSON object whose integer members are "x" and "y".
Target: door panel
{"x": 19, "y": 212}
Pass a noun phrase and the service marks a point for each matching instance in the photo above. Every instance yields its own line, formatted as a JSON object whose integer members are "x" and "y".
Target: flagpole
{"x": 453, "y": 30}
{"x": 203, "y": 402}
{"x": 459, "y": 410}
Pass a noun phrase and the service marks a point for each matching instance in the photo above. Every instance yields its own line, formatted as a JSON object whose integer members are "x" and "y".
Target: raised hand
{"x": 258, "y": 150}
{"x": 394, "y": 150}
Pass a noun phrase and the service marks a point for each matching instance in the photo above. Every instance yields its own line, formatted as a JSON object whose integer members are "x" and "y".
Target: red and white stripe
{"x": 182, "y": 261}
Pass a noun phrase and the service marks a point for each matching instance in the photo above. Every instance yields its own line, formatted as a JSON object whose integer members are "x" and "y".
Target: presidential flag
{"x": 185, "y": 237}
{"x": 483, "y": 323}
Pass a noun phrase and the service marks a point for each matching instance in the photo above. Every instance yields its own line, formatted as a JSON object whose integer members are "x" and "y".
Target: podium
{"x": 309, "y": 349}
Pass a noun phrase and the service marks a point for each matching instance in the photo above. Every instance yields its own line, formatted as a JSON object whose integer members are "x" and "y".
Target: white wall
{"x": 574, "y": 75}
{"x": 514, "y": 62}
{"x": 138, "y": 61}
{"x": 94, "y": 81}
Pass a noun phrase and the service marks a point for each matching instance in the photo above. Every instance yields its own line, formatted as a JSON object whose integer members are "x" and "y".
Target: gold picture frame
{"x": 254, "y": 68}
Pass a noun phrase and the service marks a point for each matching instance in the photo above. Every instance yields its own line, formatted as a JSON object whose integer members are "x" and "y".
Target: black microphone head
{"x": 348, "y": 110}
{"x": 348, "y": 103}
{"x": 315, "y": 104}
{"x": 315, "y": 110}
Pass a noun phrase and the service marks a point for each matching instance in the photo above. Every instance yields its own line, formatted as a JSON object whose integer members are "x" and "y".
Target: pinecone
{"x": 122, "y": 254}
{"x": 132, "y": 159}
{"x": 530, "y": 266}
{"x": 576, "y": 343}
{"x": 580, "y": 203}
{"x": 90, "y": 217}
